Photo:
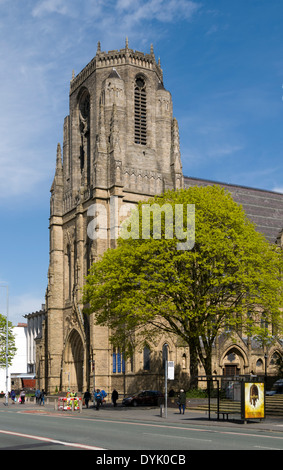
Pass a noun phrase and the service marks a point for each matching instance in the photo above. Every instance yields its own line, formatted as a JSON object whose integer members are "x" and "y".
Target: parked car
{"x": 277, "y": 388}
{"x": 144, "y": 397}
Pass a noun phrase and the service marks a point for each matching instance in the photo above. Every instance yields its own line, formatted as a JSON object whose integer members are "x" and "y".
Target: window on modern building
{"x": 140, "y": 111}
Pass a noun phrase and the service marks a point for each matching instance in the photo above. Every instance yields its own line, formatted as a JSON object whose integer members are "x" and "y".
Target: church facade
{"x": 120, "y": 146}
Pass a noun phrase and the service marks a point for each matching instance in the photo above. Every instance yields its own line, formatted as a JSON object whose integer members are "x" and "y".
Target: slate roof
{"x": 264, "y": 208}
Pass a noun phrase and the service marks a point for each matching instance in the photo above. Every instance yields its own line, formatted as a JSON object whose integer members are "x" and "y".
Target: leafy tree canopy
{"x": 11, "y": 342}
{"x": 231, "y": 276}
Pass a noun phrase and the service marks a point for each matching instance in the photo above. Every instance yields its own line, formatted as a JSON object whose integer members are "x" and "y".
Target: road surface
{"x": 24, "y": 427}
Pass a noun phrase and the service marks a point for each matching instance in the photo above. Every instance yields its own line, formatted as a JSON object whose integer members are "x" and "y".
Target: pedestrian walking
{"x": 98, "y": 398}
{"x": 22, "y": 397}
{"x": 87, "y": 397}
{"x": 13, "y": 396}
{"x": 42, "y": 393}
{"x": 182, "y": 401}
{"x": 103, "y": 396}
{"x": 115, "y": 397}
{"x": 37, "y": 396}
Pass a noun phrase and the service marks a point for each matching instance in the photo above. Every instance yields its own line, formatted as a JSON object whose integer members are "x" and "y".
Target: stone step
{"x": 273, "y": 406}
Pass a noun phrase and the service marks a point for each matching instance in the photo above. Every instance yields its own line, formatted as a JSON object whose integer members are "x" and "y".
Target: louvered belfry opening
{"x": 140, "y": 111}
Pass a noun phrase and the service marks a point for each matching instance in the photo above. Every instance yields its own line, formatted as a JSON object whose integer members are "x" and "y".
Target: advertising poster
{"x": 254, "y": 400}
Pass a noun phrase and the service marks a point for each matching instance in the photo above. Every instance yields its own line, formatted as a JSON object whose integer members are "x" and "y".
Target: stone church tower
{"x": 120, "y": 139}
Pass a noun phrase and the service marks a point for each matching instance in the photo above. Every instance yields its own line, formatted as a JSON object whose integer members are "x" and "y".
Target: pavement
{"x": 149, "y": 414}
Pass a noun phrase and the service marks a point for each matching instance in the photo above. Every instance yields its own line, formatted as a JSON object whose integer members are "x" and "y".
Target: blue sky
{"x": 222, "y": 62}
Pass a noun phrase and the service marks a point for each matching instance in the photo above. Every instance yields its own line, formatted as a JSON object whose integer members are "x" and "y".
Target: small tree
{"x": 11, "y": 342}
{"x": 229, "y": 278}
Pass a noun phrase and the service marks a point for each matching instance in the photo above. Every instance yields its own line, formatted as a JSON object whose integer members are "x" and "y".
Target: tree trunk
{"x": 193, "y": 366}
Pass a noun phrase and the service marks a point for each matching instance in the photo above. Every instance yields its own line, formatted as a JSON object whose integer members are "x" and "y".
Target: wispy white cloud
{"x": 50, "y": 6}
{"x": 19, "y": 305}
{"x": 161, "y": 10}
{"x": 278, "y": 189}
{"x": 22, "y": 305}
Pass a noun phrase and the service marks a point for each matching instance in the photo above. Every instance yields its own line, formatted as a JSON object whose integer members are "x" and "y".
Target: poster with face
{"x": 254, "y": 400}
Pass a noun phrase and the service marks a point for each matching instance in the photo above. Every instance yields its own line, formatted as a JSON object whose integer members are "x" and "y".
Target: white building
{"x": 19, "y": 364}
{"x": 22, "y": 371}
{"x": 34, "y": 330}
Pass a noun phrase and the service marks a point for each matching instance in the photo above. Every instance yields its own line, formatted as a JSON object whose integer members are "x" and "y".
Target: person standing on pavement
{"x": 74, "y": 398}
{"x": 182, "y": 401}
{"x": 115, "y": 397}
{"x": 87, "y": 397}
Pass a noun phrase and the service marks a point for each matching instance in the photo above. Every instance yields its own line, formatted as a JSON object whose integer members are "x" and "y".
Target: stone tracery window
{"x": 274, "y": 359}
{"x": 140, "y": 111}
{"x": 84, "y": 127}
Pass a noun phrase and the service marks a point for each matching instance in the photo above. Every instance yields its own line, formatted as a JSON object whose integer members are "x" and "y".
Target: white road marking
{"x": 52, "y": 441}
{"x": 177, "y": 437}
{"x": 270, "y": 448}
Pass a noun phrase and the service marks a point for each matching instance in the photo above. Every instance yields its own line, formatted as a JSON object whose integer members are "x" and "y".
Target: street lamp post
{"x": 265, "y": 367}
{"x": 166, "y": 377}
{"x": 92, "y": 361}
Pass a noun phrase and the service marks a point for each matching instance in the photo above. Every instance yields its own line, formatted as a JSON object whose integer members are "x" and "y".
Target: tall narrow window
{"x": 146, "y": 358}
{"x": 118, "y": 360}
{"x": 69, "y": 270}
{"x": 140, "y": 111}
{"x": 84, "y": 125}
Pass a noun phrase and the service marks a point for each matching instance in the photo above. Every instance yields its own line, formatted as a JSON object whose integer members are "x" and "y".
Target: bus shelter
{"x": 235, "y": 396}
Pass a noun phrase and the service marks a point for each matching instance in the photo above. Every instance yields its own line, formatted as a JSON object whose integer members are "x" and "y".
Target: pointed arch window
{"x": 146, "y": 358}
{"x": 140, "y": 111}
{"x": 118, "y": 361}
{"x": 69, "y": 271}
{"x": 84, "y": 127}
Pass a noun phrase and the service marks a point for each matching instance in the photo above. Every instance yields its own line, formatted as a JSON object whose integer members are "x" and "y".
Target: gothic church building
{"x": 120, "y": 143}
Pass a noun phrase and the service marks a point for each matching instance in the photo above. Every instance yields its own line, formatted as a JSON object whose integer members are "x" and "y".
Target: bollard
{"x": 162, "y": 411}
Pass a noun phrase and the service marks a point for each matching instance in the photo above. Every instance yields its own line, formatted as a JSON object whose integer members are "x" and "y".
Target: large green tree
{"x": 11, "y": 342}
{"x": 230, "y": 277}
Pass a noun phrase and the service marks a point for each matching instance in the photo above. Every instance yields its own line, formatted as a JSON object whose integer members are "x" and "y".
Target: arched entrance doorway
{"x": 234, "y": 361}
{"x": 73, "y": 363}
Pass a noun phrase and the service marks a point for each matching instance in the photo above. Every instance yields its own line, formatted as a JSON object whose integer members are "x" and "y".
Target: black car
{"x": 277, "y": 388}
{"x": 144, "y": 397}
